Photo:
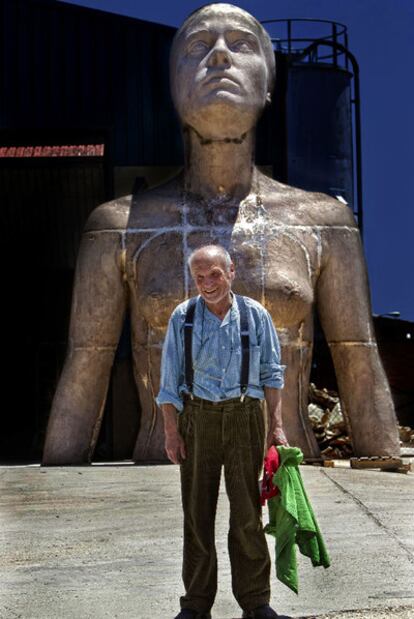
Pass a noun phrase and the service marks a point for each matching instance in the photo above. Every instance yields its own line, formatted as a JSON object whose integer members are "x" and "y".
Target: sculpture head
{"x": 222, "y": 71}
{"x": 213, "y": 272}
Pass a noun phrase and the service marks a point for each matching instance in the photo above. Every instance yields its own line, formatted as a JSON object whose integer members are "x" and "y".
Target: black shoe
{"x": 261, "y": 612}
{"x": 189, "y": 613}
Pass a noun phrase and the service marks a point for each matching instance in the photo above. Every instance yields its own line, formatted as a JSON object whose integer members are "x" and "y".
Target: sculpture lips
{"x": 219, "y": 77}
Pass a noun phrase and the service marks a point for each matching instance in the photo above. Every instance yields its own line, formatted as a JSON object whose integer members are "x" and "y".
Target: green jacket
{"x": 292, "y": 521}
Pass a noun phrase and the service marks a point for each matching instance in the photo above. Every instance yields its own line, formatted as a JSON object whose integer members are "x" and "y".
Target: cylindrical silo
{"x": 315, "y": 136}
{"x": 319, "y": 130}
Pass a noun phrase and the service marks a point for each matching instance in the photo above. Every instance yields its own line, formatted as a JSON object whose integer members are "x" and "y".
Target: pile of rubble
{"x": 406, "y": 436}
{"x": 331, "y": 429}
{"x": 328, "y": 423}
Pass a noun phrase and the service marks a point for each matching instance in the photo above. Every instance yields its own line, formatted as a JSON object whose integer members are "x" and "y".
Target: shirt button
{"x": 223, "y": 347}
{"x": 223, "y": 370}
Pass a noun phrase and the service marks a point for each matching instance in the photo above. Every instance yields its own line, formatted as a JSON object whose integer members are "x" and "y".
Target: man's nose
{"x": 220, "y": 54}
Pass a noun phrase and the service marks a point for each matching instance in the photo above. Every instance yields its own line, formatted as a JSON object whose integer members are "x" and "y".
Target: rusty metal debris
{"x": 333, "y": 437}
{"x": 329, "y": 424}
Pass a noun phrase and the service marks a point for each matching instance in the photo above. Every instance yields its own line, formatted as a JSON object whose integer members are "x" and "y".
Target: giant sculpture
{"x": 296, "y": 251}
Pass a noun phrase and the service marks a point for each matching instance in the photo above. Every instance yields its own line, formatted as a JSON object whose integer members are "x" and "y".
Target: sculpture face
{"x": 219, "y": 74}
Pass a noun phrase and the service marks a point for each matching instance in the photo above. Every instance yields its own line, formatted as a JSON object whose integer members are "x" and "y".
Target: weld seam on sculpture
{"x": 98, "y": 348}
{"x": 147, "y": 242}
{"x": 185, "y": 241}
{"x": 97, "y": 425}
{"x": 354, "y": 343}
{"x": 318, "y": 252}
{"x": 191, "y": 228}
{"x": 305, "y": 426}
{"x": 153, "y": 419}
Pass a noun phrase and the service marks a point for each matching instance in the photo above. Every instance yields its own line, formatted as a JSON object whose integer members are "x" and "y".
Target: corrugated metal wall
{"x": 47, "y": 204}
{"x": 67, "y": 66}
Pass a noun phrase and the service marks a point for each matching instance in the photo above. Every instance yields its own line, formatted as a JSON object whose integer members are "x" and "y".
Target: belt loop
{"x": 201, "y": 405}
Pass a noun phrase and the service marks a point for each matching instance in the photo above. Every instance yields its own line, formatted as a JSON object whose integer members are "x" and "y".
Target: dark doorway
{"x": 45, "y": 202}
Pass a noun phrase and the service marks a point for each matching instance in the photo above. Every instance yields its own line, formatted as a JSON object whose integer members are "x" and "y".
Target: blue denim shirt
{"x": 216, "y": 348}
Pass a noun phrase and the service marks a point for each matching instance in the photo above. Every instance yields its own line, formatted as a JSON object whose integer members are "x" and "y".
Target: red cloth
{"x": 270, "y": 466}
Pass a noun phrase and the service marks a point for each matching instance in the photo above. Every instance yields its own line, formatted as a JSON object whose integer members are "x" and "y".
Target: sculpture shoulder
{"x": 112, "y": 215}
{"x": 296, "y": 206}
{"x": 154, "y": 207}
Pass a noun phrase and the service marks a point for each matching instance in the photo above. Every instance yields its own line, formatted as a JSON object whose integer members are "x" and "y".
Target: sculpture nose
{"x": 219, "y": 54}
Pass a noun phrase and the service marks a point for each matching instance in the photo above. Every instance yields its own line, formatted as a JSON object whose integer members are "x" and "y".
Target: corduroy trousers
{"x": 230, "y": 434}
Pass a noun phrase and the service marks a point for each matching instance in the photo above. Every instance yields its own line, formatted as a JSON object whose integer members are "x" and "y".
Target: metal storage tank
{"x": 318, "y": 98}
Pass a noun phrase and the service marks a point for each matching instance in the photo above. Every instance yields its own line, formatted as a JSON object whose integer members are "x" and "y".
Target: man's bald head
{"x": 210, "y": 252}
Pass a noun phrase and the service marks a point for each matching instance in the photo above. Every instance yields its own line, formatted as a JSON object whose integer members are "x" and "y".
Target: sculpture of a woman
{"x": 295, "y": 250}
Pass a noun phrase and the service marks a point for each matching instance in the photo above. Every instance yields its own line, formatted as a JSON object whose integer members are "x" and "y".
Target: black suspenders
{"x": 188, "y": 335}
{"x": 244, "y": 335}
{"x": 245, "y": 348}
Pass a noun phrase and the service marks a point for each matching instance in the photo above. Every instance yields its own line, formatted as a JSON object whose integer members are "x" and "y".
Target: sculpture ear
{"x": 268, "y": 98}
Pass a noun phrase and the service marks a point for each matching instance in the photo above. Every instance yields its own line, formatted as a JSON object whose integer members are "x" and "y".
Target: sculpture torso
{"x": 275, "y": 241}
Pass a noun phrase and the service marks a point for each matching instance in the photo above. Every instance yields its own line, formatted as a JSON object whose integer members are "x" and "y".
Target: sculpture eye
{"x": 198, "y": 47}
{"x": 242, "y": 45}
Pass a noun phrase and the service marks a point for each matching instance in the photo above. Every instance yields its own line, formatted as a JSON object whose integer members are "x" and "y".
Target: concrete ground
{"x": 105, "y": 541}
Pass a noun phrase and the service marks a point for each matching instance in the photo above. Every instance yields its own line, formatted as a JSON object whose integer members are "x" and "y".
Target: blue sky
{"x": 381, "y": 36}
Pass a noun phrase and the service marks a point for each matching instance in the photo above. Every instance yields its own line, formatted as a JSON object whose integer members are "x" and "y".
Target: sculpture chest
{"x": 276, "y": 263}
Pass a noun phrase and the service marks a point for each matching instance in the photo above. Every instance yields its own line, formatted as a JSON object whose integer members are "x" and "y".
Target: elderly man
{"x": 220, "y": 360}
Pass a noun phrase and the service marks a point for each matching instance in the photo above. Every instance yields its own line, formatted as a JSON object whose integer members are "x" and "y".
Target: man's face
{"x": 219, "y": 72}
{"x": 212, "y": 279}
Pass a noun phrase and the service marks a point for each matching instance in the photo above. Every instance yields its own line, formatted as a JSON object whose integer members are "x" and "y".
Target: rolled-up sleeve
{"x": 172, "y": 365}
{"x": 271, "y": 370}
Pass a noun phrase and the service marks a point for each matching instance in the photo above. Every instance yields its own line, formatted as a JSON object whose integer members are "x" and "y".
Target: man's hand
{"x": 174, "y": 442}
{"x": 175, "y": 446}
{"x": 275, "y": 436}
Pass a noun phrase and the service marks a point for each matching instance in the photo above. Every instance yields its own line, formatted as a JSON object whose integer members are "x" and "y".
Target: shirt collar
{"x": 232, "y": 314}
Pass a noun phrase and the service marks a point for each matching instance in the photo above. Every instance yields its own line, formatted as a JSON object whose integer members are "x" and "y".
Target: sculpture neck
{"x": 222, "y": 167}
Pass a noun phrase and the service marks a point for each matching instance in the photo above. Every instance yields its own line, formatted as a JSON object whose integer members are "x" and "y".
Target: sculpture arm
{"x": 344, "y": 308}
{"x": 99, "y": 302}
{"x": 272, "y": 371}
{"x": 172, "y": 365}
